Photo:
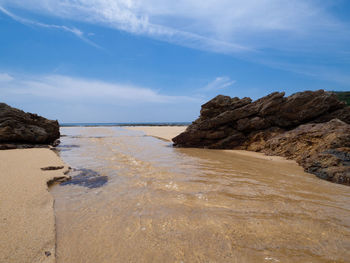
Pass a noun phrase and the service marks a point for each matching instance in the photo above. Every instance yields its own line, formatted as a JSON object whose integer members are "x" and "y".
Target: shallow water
{"x": 163, "y": 204}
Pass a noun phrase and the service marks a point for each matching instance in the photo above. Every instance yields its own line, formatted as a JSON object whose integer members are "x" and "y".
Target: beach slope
{"x": 27, "y": 221}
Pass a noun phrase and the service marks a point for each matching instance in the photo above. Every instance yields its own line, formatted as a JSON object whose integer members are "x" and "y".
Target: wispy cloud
{"x": 75, "y": 99}
{"x": 78, "y": 33}
{"x": 218, "y": 84}
{"x": 260, "y": 31}
{"x": 72, "y": 88}
{"x": 225, "y": 26}
{"x": 5, "y": 77}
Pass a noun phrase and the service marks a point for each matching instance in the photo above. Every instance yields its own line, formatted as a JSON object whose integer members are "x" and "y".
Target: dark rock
{"x": 56, "y": 143}
{"x": 299, "y": 127}
{"x": 322, "y": 149}
{"x": 342, "y": 114}
{"x": 52, "y": 168}
{"x": 305, "y": 106}
{"x": 57, "y": 180}
{"x": 19, "y": 128}
{"x": 221, "y": 104}
{"x": 87, "y": 178}
{"x": 231, "y": 141}
{"x": 9, "y": 146}
{"x": 252, "y": 124}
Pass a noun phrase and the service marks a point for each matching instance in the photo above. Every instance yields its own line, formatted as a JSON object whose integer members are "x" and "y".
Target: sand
{"x": 161, "y": 132}
{"x": 27, "y": 220}
{"x": 168, "y": 132}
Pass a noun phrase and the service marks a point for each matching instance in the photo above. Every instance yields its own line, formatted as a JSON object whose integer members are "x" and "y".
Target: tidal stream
{"x": 163, "y": 204}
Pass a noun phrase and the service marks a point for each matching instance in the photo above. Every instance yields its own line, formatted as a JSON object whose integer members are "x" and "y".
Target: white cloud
{"x": 260, "y": 31}
{"x": 225, "y": 26}
{"x": 72, "y": 99}
{"x": 75, "y": 89}
{"x": 219, "y": 83}
{"x": 78, "y": 33}
{"x": 4, "y": 77}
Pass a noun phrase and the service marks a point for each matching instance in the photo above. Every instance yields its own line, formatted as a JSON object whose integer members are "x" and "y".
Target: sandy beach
{"x": 152, "y": 191}
{"x": 27, "y": 223}
{"x": 174, "y": 131}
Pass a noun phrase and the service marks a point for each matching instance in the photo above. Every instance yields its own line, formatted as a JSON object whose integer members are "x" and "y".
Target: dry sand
{"x": 168, "y": 132}
{"x": 27, "y": 221}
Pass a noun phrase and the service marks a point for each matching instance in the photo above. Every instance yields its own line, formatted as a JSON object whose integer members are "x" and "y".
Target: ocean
{"x": 125, "y": 124}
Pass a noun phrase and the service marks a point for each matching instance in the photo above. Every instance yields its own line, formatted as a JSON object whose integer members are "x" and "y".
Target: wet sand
{"x": 165, "y": 204}
{"x": 27, "y": 222}
{"x": 161, "y": 132}
{"x": 168, "y": 132}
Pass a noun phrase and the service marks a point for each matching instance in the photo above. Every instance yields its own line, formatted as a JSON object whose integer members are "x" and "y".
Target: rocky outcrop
{"x": 23, "y": 130}
{"x": 311, "y": 127}
{"x": 322, "y": 149}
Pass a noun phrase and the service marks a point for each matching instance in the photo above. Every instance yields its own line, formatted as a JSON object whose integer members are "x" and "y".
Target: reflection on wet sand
{"x": 163, "y": 204}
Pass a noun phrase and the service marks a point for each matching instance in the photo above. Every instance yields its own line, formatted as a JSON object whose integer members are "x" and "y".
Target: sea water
{"x": 165, "y": 204}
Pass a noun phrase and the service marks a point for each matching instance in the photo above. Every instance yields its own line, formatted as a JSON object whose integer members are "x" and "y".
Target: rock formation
{"x": 311, "y": 127}
{"x": 22, "y": 130}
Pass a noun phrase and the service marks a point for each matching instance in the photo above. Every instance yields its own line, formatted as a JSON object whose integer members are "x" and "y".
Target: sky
{"x": 159, "y": 61}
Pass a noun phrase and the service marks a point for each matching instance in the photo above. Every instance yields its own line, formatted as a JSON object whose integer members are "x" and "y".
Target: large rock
{"x": 20, "y": 129}
{"x": 322, "y": 149}
{"x": 299, "y": 127}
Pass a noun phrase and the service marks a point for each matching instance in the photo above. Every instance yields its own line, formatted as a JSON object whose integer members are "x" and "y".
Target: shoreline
{"x": 27, "y": 222}
{"x": 145, "y": 124}
{"x": 166, "y": 133}
{"x": 27, "y": 215}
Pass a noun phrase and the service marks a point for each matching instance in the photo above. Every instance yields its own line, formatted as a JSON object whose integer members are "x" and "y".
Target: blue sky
{"x": 147, "y": 61}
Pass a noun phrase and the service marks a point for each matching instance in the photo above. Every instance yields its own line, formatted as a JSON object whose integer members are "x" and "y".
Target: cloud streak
{"x": 73, "y": 99}
{"x": 224, "y": 26}
{"x": 4, "y": 77}
{"x": 71, "y": 88}
{"x": 78, "y": 33}
{"x": 219, "y": 83}
{"x": 267, "y": 32}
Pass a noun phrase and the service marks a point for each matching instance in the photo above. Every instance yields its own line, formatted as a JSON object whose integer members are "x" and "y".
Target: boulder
{"x": 311, "y": 127}
{"x": 22, "y": 130}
